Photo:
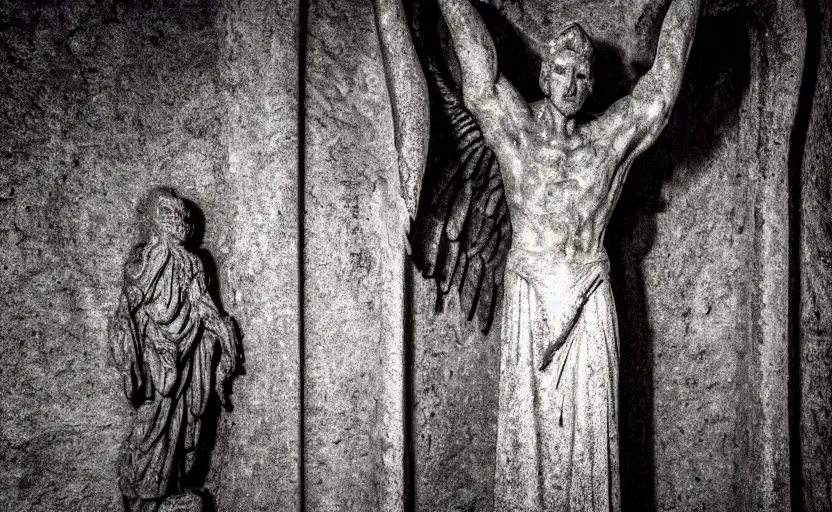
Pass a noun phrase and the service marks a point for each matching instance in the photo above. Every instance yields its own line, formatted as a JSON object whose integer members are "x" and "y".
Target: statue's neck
{"x": 169, "y": 241}
{"x": 555, "y": 122}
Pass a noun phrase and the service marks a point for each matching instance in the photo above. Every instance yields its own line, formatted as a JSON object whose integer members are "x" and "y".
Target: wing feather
{"x": 462, "y": 231}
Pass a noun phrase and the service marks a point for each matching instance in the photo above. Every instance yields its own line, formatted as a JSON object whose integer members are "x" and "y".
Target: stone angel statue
{"x": 166, "y": 337}
{"x": 519, "y": 202}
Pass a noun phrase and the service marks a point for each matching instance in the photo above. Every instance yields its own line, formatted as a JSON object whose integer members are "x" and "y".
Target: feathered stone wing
{"x": 462, "y": 231}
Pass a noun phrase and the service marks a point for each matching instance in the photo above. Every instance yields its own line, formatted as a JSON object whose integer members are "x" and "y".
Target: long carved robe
{"x": 557, "y": 434}
{"x": 165, "y": 353}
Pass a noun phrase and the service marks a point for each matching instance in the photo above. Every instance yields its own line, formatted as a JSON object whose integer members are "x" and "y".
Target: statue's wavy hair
{"x": 574, "y": 38}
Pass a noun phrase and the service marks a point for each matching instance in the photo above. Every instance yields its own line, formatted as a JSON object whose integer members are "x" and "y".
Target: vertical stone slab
{"x": 815, "y": 359}
{"x": 257, "y": 459}
{"x": 682, "y": 246}
{"x": 455, "y": 390}
{"x": 353, "y": 261}
{"x": 779, "y": 35}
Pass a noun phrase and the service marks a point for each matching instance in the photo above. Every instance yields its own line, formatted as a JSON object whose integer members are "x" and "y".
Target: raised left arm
{"x": 641, "y": 116}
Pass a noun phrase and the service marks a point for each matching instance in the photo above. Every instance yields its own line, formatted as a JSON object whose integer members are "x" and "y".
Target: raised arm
{"x": 640, "y": 117}
{"x": 488, "y": 95}
{"x": 408, "y": 93}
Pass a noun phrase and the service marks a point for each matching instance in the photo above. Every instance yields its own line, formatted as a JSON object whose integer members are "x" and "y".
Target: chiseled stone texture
{"x": 699, "y": 271}
{"x": 683, "y": 260}
{"x": 258, "y": 444}
{"x": 816, "y": 266}
{"x": 98, "y": 105}
{"x": 100, "y": 102}
{"x": 455, "y": 389}
{"x": 353, "y": 266}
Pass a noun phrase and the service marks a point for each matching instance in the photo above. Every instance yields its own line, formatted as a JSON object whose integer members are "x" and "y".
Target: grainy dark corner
{"x": 624, "y": 205}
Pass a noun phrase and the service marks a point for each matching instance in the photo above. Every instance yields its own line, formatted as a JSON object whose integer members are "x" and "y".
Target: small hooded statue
{"x": 166, "y": 337}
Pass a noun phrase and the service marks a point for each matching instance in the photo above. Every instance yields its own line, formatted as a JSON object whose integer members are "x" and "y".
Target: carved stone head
{"x": 567, "y": 75}
{"x": 171, "y": 217}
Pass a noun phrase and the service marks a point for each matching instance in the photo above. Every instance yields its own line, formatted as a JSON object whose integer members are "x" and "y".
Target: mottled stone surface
{"x": 100, "y": 102}
{"x": 98, "y": 105}
{"x": 682, "y": 251}
{"x": 353, "y": 265}
{"x": 455, "y": 388}
{"x": 259, "y": 443}
{"x": 187, "y": 502}
{"x": 814, "y": 136}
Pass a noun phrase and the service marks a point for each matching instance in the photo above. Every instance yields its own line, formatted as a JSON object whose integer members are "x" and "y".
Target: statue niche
{"x": 516, "y": 201}
{"x": 175, "y": 350}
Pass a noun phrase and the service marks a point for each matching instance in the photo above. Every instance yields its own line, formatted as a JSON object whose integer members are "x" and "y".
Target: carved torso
{"x": 559, "y": 189}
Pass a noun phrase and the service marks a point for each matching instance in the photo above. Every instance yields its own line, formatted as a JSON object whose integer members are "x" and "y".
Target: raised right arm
{"x": 408, "y": 93}
{"x": 487, "y": 94}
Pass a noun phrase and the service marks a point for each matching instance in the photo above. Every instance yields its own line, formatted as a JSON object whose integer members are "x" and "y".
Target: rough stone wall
{"x": 101, "y": 101}
{"x": 813, "y": 143}
{"x": 681, "y": 247}
{"x": 353, "y": 266}
{"x": 98, "y": 105}
{"x": 455, "y": 399}
{"x": 258, "y": 445}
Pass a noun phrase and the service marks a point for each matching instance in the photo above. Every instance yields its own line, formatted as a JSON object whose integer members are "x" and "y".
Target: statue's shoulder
{"x": 134, "y": 260}
{"x": 605, "y": 130}
{"x": 144, "y": 257}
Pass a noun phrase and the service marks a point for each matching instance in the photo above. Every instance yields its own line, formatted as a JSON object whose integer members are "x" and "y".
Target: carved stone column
{"x": 353, "y": 261}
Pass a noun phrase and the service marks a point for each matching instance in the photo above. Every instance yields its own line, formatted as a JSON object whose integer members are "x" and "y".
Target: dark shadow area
{"x": 716, "y": 78}
{"x": 517, "y": 58}
{"x": 409, "y": 394}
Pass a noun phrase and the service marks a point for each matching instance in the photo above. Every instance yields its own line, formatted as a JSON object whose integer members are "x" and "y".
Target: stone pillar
{"x": 258, "y": 445}
{"x": 353, "y": 261}
{"x": 813, "y": 151}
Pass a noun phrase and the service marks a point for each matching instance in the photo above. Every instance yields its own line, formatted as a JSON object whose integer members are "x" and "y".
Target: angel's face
{"x": 566, "y": 81}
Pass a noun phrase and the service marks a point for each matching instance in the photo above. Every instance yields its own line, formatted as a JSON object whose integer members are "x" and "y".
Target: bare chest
{"x": 551, "y": 180}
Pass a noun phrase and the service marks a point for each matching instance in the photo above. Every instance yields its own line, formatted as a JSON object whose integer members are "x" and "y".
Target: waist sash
{"x": 562, "y": 288}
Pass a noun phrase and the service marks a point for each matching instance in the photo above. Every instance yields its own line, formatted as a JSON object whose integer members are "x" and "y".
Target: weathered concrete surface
{"x": 681, "y": 251}
{"x": 455, "y": 390}
{"x": 815, "y": 356}
{"x": 100, "y": 102}
{"x": 353, "y": 261}
{"x": 700, "y": 270}
{"x": 98, "y": 105}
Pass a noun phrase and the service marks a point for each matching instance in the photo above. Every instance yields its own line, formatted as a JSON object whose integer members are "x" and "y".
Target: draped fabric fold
{"x": 163, "y": 338}
{"x": 557, "y": 433}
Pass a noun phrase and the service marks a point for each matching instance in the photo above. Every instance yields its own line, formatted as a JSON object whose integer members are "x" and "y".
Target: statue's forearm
{"x": 219, "y": 325}
{"x": 408, "y": 96}
{"x": 664, "y": 79}
{"x": 473, "y": 45}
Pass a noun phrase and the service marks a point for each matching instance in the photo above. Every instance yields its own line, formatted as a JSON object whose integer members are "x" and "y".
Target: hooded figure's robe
{"x": 165, "y": 352}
